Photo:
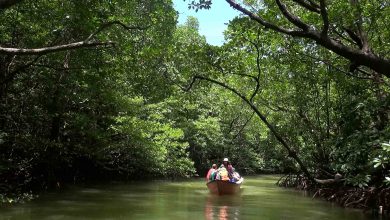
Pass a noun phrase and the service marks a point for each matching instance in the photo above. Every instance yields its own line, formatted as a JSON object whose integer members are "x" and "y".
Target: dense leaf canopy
{"x": 98, "y": 89}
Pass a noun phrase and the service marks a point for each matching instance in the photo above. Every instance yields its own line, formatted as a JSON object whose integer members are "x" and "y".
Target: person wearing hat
{"x": 230, "y": 169}
{"x": 225, "y": 163}
{"x": 225, "y": 170}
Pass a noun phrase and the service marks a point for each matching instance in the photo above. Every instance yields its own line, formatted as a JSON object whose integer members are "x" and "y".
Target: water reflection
{"x": 222, "y": 207}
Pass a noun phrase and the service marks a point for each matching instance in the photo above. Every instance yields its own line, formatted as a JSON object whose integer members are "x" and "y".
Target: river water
{"x": 259, "y": 199}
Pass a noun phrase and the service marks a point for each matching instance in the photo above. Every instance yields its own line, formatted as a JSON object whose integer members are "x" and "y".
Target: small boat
{"x": 222, "y": 187}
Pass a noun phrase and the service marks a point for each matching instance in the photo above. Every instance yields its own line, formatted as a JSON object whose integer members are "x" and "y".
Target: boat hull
{"x": 221, "y": 187}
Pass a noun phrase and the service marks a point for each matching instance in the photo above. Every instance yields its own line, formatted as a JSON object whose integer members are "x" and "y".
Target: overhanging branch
{"x": 266, "y": 24}
{"x": 291, "y": 152}
{"x": 362, "y": 56}
{"x": 88, "y": 42}
{"x": 291, "y": 17}
{"x": 309, "y": 6}
{"x": 46, "y": 50}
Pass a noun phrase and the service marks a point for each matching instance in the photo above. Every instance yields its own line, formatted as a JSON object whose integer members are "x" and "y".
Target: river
{"x": 259, "y": 199}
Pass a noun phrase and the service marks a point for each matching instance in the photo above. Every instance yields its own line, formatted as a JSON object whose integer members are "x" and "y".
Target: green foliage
{"x": 359, "y": 180}
{"x": 89, "y": 113}
{"x": 120, "y": 112}
{"x": 20, "y": 198}
{"x": 149, "y": 144}
{"x": 381, "y": 161}
{"x": 383, "y": 158}
{"x": 333, "y": 121}
{"x": 387, "y": 181}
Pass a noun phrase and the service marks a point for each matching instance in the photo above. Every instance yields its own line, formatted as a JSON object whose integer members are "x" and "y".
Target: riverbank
{"x": 374, "y": 199}
{"x": 369, "y": 199}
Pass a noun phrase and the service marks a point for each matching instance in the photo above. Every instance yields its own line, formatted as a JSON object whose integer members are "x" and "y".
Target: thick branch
{"x": 308, "y": 6}
{"x": 368, "y": 59}
{"x": 314, "y": 4}
{"x": 88, "y": 42}
{"x": 45, "y": 50}
{"x": 331, "y": 65}
{"x": 360, "y": 57}
{"x": 291, "y": 17}
{"x": 265, "y": 23}
{"x": 354, "y": 37}
{"x": 341, "y": 35}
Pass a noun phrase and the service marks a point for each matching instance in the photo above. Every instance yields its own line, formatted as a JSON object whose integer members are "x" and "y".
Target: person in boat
{"x": 230, "y": 170}
{"x": 232, "y": 175}
{"x": 225, "y": 163}
{"x": 235, "y": 177}
{"x": 228, "y": 166}
{"x": 223, "y": 171}
{"x": 212, "y": 172}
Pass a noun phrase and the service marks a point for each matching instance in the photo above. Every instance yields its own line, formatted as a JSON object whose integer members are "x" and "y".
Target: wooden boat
{"x": 222, "y": 187}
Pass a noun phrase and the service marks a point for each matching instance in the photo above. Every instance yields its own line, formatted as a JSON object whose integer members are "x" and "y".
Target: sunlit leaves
{"x": 200, "y": 4}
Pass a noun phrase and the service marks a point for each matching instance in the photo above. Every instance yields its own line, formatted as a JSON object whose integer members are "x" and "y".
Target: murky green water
{"x": 260, "y": 199}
